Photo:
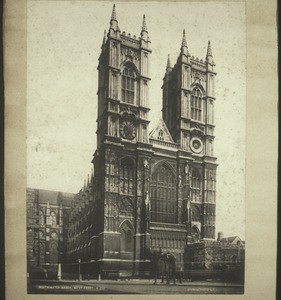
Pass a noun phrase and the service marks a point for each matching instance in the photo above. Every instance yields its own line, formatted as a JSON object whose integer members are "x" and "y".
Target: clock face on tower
{"x": 127, "y": 130}
{"x": 196, "y": 145}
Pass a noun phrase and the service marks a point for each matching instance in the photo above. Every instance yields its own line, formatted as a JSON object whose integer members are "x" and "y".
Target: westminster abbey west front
{"x": 151, "y": 198}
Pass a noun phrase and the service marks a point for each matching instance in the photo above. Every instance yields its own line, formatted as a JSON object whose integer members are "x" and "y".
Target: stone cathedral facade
{"x": 151, "y": 193}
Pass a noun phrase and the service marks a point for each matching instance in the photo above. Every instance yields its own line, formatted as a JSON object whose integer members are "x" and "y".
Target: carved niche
{"x": 125, "y": 205}
{"x": 130, "y": 53}
{"x": 198, "y": 77}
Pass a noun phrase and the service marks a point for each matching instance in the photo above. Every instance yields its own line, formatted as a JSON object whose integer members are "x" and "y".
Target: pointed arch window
{"x": 128, "y": 85}
{"x": 196, "y": 104}
{"x": 163, "y": 196}
{"x": 196, "y": 186}
{"x": 160, "y": 135}
{"x": 127, "y": 177}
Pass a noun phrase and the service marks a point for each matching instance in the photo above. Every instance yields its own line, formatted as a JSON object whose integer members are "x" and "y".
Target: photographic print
{"x": 135, "y": 147}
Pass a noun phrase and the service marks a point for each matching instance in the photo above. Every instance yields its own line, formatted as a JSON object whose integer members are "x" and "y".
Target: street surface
{"x": 131, "y": 287}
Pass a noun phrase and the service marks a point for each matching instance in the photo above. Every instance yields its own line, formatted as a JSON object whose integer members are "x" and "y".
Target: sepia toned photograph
{"x": 135, "y": 138}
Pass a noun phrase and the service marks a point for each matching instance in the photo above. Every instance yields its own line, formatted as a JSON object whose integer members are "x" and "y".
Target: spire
{"x": 88, "y": 181}
{"x": 113, "y": 20}
{"x": 113, "y": 15}
{"x": 209, "y": 55}
{"x": 168, "y": 62}
{"x": 209, "y": 50}
{"x": 144, "y": 32}
{"x": 184, "y": 43}
{"x": 184, "y": 48}
{"x": 168, "y": 67}
{"x": 144, "y": 27}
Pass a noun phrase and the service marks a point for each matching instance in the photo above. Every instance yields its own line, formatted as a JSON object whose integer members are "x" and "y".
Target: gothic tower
{"x": 123, "y": 150}
{"x": 188, "y": 111}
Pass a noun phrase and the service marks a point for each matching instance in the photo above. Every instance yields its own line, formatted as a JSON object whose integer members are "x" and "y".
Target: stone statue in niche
{"x": 147, "y": 201}
{"x": 180, "y": 184}
{"x": 187, "y": 205}
{"x": 146, "y": 164}
{"x": 186, "y": 168}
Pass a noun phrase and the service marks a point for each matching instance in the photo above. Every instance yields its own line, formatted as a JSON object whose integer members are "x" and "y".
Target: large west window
{"x": 163, "y": 196}
{"x": 128, "y": 85}
{"x": 196, "y": 104}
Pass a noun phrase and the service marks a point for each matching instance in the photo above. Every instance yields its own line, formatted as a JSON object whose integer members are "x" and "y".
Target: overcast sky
{"x": 64, "y": 39}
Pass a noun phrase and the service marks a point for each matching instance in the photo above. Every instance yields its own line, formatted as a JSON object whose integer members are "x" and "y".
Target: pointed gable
{"x": 161, "y": 133}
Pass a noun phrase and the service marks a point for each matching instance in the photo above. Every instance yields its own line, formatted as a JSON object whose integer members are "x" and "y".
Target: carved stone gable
{"x": 161, "y": 133}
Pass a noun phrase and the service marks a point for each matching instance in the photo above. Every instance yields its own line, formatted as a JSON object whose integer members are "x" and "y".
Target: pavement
{"x": 131, "y": 287}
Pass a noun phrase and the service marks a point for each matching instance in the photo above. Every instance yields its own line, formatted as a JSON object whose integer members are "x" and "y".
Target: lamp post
{"x": 168, "y": 268}
{"x": 59, "y": 272}
{"x": 79, "y": 271}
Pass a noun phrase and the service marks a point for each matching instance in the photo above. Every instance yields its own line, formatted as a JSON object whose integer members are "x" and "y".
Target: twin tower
{"x": 124, "y": 78}
{"x": 154, "y": 191}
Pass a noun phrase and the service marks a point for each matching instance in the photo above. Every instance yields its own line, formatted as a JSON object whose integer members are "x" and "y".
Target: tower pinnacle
{"x": 113, "y": 15}
{"x": 209, "y": 50}
{"x": 104, "y": 38}
{"x": 209, "y": 55}
{"x": 144, "y": 27}
{"x": 168, "y": 67}
{"x": 144, "y": 32}
{"x": 113, "y": 20}
{"x": 184, "y": 43}
{"x": 184, "y": 48}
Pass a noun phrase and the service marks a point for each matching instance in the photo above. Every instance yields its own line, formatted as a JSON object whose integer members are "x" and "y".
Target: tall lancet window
{"x": 196, "y": 186}
{"x": 127, "y": 170}
{"x": 128, "y": 85}
{"x": 196, "y": 104}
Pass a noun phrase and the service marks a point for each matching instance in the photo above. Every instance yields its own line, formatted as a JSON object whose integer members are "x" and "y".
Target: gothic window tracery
{"x": 53, "y": 219}
{"x": 127, "y": 177}
{"x": 54, "y": 235}
{"x": 128, "y": 85}
{"x": 196, "y": 104}
{"x": 196, "y": 186}
{"x": 163, "y": 196}
{"x": 195, "y": 214}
